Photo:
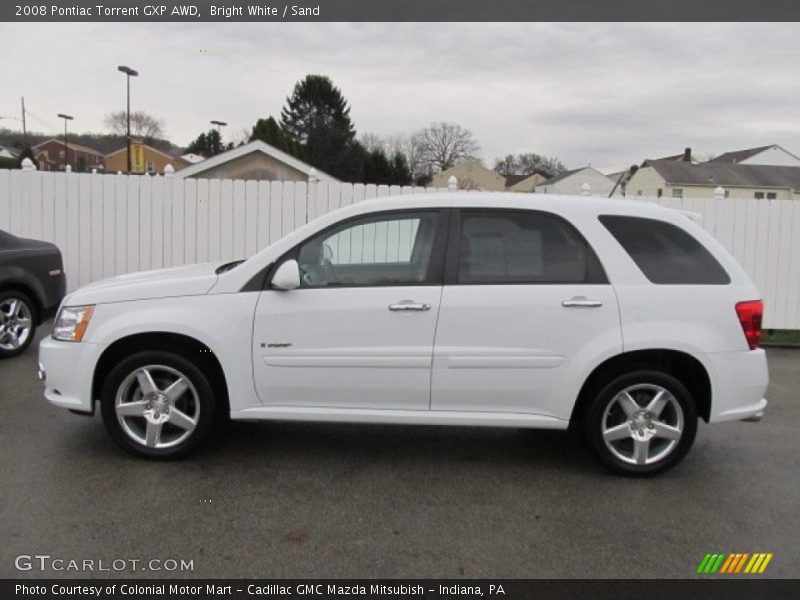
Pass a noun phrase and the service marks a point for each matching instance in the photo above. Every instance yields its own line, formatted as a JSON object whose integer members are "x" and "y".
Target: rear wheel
{"x": 17, "y": 323}
{"x": 157, "y": 404}
{"x": 642, "y": 423}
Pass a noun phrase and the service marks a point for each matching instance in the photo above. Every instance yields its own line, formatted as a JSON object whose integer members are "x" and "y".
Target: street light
{"x": 220, "y": 125}
{"x": 66, "y": 153}
{"x": 128, "y": 73}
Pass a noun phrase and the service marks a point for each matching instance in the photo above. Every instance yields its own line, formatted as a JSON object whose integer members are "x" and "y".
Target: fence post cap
{"x": 452, "y": 182}
{"x": 169, "y": 170}
{"x": 68, "y": 169}
{"x": 28, "y": 165}
{"x": 586, "y": 189}
{"x": 312, "y": 176}
{"x": 719, "y": 192}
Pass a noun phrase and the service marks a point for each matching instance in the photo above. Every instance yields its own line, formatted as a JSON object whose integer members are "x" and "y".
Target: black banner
{"x": 401, "y": 10}
{"x": 188, "y": 589}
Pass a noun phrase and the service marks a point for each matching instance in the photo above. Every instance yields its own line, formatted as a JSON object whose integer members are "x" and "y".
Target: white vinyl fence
{"x": 107, "y": 225}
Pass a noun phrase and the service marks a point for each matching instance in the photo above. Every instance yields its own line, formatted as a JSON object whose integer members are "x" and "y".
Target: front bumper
{"x": 67, "y": 369}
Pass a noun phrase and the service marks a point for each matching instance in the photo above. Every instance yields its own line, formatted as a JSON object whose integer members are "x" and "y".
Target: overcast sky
{"x": 605, "y": 94}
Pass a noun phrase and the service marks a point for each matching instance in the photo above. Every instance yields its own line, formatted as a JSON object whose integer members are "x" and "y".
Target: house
{"x": 8, "y": 152}
{"x": 700, "y": 180}
{"x": 254, "y": 160}
{"x": 763, "y": 155}
{"x": 471, "y": 175}
{"x": 144, "y": 159}
{"x": 52, "y": 156}
{"x": 524, "y": 183}
{"x": 574, "y": 183}
{"x": 192, "y": 158}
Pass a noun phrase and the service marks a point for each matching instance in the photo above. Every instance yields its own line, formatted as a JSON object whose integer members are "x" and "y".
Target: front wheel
{"x": 157, "y": 404}
{"x": 17, "y": 323}
{"x": 642, "y": 423}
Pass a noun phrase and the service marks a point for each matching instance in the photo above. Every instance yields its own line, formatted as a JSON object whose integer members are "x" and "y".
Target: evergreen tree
{"x": 269, "y": 130}
{"x": 401, "y": 174}
{"x": 207, "y": 144}
{"x": 316, "y": 122}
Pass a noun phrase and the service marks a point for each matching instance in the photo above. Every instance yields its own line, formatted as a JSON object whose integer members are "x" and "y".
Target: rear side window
{"x": 665, "y": 253}
{"x": 508, "y": 247}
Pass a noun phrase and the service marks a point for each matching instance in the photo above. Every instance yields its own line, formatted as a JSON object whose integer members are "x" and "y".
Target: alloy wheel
{"x": 16, "y": 323}
{"x": 157, "y": 406}
{"x": 642, "y": 424}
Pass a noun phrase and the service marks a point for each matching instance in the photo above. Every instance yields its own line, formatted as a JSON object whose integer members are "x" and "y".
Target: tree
{"x": 27, "y": 152}
{"x": 528, "y": 164}
{"x": 442, "y": 145}
{"x": 142, "y": 124}
{"x": 207, "y": 144}
{"x": 316, "y": 122}
{"x": 269, "y": 130}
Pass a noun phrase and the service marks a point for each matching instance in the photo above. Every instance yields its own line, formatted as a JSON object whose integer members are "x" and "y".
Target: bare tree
{"x": 442, "y": 145}
{"x": 528, "y": 164}
{"x": 142, "y": 124}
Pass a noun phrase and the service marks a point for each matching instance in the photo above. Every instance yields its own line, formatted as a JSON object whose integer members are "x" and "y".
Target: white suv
{"x": 503, "y": 310}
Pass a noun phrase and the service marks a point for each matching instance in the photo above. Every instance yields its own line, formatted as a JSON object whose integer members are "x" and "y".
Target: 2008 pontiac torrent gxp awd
{"x": 504, "y": 310}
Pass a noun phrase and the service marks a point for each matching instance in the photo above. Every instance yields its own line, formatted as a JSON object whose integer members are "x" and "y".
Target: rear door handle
{"x": 407, "y": 305}
{"x": 581, "y": 302}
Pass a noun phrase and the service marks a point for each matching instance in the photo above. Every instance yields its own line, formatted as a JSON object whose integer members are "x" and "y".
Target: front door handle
{"x": 581, "y": 302}
{"x": 409, "y": 305}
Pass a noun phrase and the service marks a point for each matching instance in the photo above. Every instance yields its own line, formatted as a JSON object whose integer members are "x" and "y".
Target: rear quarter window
{"x": 665, "y": 253}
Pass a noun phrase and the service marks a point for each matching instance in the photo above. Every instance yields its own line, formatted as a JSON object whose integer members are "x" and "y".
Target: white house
{"x": 574, "y": 182}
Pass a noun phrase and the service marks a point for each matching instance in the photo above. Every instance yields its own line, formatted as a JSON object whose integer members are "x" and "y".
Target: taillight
{"x": 750, "y": 313}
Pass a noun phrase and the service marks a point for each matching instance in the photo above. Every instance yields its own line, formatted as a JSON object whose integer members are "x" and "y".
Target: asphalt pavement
{"x": 273, "y": 500}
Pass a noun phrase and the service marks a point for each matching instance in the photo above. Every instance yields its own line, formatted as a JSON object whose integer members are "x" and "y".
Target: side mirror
{"x": 287, "y": 277}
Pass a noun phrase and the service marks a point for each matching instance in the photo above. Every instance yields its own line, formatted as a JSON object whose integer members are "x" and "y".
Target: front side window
{"x": 677, "y": 192}
{"x": 393, "y": 249}
{"x": 509, "y": 247}
{"x": 665, "y": 253}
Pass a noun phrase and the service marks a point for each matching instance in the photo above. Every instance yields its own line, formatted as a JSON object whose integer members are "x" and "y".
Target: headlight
{"x": 71, "y": 323}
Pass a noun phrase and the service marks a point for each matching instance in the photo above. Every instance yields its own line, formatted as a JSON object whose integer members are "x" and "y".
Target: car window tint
{"x": 523, "y": 247}
{"x": 391, "y": 250}
{"x": 665, "y": 253}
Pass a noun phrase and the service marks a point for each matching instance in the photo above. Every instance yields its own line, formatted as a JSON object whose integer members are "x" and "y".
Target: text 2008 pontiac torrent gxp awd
{"x": 493, "y": 309}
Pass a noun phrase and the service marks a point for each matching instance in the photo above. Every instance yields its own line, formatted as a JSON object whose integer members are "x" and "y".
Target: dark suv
{"x": 32, "y": 284}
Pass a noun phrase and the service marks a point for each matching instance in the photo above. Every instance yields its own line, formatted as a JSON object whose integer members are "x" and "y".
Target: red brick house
{"x": 51, "y": 156}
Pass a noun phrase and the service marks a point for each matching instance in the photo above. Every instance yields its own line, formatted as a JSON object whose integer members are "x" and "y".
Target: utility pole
{"x": 66, "y": 149}
{"x": 24, "y": 128}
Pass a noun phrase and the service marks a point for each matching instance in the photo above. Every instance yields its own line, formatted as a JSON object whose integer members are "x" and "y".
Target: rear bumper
{"x": 66, "y": 369}
{"x": 738, "y": 385}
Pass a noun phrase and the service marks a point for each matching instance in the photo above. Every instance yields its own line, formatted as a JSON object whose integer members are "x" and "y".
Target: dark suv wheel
{"x": 17, "y": 323}
{"x": 641, "y": 423}
{"x": 157, "y": 404}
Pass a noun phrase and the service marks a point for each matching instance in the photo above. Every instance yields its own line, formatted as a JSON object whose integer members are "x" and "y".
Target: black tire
{"x": 30, "y": 307}
{"x": 162, "y": 364}
{"x": 661, "y": 453}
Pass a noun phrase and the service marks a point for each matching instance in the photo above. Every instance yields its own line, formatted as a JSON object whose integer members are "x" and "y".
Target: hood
{"x": 191, "y": 280}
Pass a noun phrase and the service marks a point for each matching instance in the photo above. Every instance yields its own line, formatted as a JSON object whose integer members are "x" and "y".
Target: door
{"x": 525, "y": 299}
{"x": 358, "y": 333}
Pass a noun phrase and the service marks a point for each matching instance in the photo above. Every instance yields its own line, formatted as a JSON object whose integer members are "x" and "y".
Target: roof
{"x": 191, "y": 157}
{"x": 71, "y": 145}
{"x": 727, "y": 174}
{"x": 738, "y": 156}
{"x": 249, "y": 148}
{"x": 514, "y": 179}
{"x": 563, "y": 175}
